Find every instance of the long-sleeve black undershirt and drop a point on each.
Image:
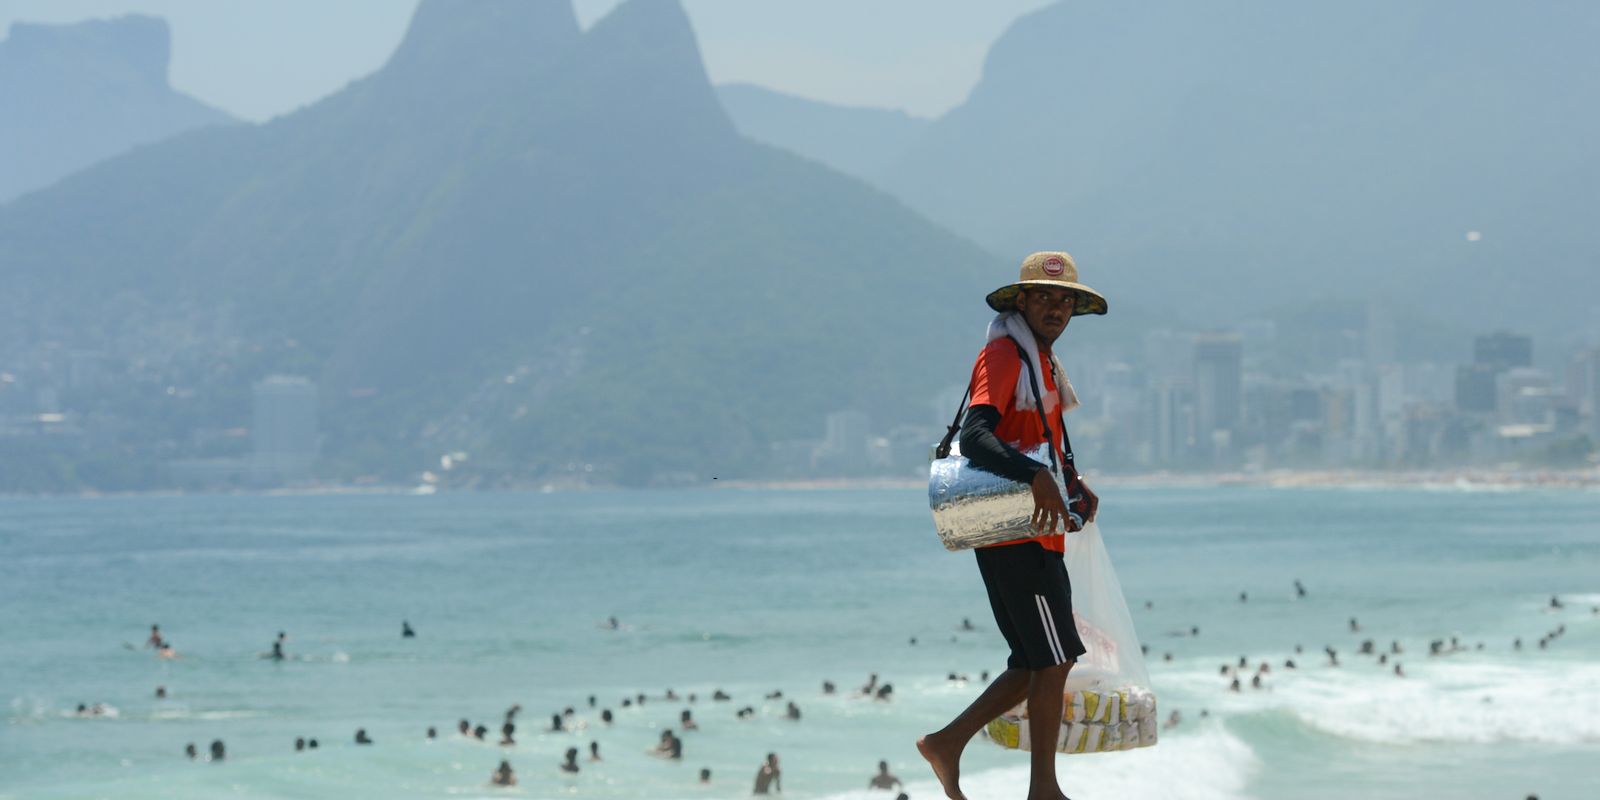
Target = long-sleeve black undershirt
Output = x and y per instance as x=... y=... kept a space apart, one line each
x=985 y=450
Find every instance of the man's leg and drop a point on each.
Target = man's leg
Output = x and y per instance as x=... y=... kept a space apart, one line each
x=1044 y=727
x=943 y=748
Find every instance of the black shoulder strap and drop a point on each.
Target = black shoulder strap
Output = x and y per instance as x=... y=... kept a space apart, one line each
x=943 y=450
x=1039 y=404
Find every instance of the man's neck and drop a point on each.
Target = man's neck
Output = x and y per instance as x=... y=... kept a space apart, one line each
x=1042 y=343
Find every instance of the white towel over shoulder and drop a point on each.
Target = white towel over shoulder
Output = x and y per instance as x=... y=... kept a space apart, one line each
x=1012 y=324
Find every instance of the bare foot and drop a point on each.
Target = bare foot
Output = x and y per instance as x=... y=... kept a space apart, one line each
x=946 y=763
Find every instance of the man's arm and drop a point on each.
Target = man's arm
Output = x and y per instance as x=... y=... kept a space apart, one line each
x=985 y=450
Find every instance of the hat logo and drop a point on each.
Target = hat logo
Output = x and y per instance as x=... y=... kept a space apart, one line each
x=1053 y=266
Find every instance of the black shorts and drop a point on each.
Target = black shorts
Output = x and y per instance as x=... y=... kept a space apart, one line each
x=1032 y=601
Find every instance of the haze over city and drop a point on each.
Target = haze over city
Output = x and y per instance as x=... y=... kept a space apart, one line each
x=599 y=400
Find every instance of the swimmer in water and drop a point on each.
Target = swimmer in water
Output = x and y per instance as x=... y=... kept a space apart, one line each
x=433 y=733
x=570 y=766
x=503 y=776
x=827 y=687
x=405 y=630
x=966 y=624
x=479 y=732
x=793 y=712
x=883 y=780
x=191 y=751
x=299 y=744
x=606 y=716
x=219 y=752
x=612 y=623
x=705 y=775
x=1555 y=602
x=311 y=745
x=883 y=693
x=769 y=778
x=464 y=727
x=277 y=649
x=1172 y=721
x=166 y=651
x=155 y=637
x=1299 y=588
x=361 y=736
x=872 y=684
x=161 y=692
x=556 y=724
x=720 y=695
x=505 y=734
x=777 y=695
x=686 y=721
x=1355 y=627
x=594 y=751
x=1398 y=673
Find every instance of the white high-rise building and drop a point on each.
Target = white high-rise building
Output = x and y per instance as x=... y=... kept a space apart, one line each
x=285 y=431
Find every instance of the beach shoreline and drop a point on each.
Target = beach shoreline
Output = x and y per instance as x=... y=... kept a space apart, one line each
x=1463 y=479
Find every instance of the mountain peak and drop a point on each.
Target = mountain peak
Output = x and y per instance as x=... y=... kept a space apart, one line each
x=140 y=45
x=447 y=35
x=643 y=58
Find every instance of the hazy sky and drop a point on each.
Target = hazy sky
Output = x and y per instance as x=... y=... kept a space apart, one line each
x=260 y=58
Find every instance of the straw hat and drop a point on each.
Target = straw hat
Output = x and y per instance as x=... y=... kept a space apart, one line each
x=1048 y=269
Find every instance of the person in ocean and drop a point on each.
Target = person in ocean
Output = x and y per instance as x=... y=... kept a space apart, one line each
x=191 y=751
x=768 y=778
x=405 y=630
x=506 y=731
x=571 y=764
x=883 y=780
x=503 y=776
x=219 y=751
x=792 y=712
x=594 y=751
x=871 y=685
x=686 y=721
x=155 y=637
x=1018 y=393
x=361 y=736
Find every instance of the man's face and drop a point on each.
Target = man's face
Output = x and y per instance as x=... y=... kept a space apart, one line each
x=1047 y=310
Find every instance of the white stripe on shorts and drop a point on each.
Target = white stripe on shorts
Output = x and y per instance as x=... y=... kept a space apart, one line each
x=1050 y=633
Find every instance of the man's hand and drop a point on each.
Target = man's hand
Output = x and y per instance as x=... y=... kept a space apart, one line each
x=1049 y=510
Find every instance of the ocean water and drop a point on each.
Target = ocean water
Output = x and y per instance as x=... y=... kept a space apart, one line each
x=755 y=591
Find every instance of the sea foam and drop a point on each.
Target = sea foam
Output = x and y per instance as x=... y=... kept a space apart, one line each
x=1447 y=700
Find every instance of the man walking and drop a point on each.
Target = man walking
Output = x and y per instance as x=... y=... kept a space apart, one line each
x=1018 y=395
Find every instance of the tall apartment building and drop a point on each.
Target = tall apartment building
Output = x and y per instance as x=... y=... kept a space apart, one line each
x=284 y=435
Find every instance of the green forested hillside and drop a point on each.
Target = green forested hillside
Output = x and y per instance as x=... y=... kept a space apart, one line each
x=545 y=247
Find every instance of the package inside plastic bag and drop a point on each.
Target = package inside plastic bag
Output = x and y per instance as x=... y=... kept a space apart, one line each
x=1109 y=704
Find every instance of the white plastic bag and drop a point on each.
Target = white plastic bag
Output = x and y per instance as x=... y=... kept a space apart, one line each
x=1109 y=704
